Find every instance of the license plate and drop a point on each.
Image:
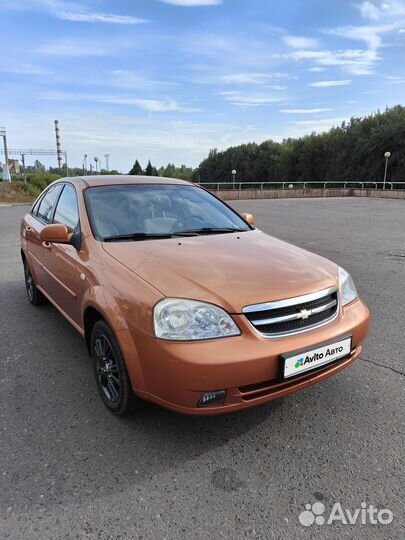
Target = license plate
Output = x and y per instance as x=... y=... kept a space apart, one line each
x=299 y=362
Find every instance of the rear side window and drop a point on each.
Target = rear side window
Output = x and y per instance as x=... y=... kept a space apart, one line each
x=66 y=211
x=47 y=203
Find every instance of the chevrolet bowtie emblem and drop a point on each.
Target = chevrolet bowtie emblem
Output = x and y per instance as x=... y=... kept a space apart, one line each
x=304 y=313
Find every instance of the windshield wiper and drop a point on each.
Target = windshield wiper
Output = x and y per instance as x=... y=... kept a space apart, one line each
x=175 y=234
x=212 y=230
x=146 y=236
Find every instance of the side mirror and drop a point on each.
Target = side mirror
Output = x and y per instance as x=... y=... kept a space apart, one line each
x=56 y=233
x=249 y=218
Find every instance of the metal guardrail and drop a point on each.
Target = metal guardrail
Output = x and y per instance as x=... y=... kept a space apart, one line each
x=302 y=185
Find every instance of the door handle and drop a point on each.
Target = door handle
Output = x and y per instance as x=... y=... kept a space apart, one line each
x=47 y=245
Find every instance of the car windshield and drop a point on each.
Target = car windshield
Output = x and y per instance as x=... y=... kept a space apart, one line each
x=142 y=212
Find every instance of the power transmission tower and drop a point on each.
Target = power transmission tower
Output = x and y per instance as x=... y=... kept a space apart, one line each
x=6 y=173
x=107 y=162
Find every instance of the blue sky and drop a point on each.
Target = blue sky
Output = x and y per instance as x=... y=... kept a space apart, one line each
x=167 y=80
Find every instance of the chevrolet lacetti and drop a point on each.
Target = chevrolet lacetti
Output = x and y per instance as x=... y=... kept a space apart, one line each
x=181 y=300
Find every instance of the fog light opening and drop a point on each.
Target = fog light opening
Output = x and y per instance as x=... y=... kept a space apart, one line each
x=212 y=398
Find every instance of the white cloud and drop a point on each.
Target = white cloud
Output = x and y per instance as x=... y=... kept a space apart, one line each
x=124 y=78
x=246 y=78
x=127 y=138
x=25 y=69
x=375 y=11
x=393 y=79
x=71 y=11
x=250 y=100
x=146 y=104
x=370 y=35
x=304 y=111
x=85 y=16
x=298 y=42
x=149 y=105
x=275 y=86
x=254 y=78
x=326 y=84
x=74 y=47
x=192 y=3
x=317 y=69
x=353 y=61
x=320 y=124
x=369 y=10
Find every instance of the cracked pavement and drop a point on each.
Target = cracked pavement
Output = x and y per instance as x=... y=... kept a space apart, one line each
x=70 y=469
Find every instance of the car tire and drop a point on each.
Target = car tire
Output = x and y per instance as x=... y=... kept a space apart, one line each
x=35 y=297
x=111 y=373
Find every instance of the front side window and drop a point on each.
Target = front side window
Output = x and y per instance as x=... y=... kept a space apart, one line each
x=66 y=211
x=144 y=211
x=34 y=209
x=47 y=203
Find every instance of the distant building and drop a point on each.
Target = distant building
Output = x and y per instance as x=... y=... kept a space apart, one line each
x=14 y=166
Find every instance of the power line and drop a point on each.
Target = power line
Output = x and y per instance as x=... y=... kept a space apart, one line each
x=32 y=152
x=22 y=152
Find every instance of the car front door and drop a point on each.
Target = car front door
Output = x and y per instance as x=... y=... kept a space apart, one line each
x=40 y=216
x=65 y=285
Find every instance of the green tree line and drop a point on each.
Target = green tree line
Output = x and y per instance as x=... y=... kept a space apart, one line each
x=170 y=171
x=352 y=152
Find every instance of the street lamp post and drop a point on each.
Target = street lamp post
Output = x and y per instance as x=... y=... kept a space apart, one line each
x=96 y=162
x=85 y=164
x=233 y=178
x=387 y=155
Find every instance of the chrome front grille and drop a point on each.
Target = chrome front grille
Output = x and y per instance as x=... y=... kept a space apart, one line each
x=293 y=315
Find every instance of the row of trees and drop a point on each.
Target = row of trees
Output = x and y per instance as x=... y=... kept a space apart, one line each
x=150 y=170
x=170 y=171
x=354 y=151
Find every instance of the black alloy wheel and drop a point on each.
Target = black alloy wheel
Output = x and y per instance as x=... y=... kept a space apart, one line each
x=110 y=371
x=35 y=297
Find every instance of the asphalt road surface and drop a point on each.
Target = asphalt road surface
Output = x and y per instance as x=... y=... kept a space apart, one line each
x=70 y=469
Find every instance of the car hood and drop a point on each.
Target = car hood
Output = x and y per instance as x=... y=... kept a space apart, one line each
x=231 y=270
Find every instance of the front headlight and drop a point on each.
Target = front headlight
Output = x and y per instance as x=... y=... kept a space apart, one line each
x=183 y=320
x=347 y=288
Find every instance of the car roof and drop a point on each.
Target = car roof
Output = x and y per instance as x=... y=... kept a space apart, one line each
x=116 y=179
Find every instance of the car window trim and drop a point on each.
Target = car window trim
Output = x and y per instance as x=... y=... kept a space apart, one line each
x=89 y=216
x=251 y=227
x=191 y=185
x=77 y=205
x=37 y=202
x=41 y=220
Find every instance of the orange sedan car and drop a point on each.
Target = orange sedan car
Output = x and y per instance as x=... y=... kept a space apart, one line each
x=181 y=301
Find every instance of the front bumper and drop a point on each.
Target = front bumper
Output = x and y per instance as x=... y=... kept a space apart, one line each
x=177 y=374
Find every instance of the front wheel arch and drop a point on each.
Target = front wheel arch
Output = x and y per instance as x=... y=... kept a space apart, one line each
x=126 y=401
x=90 y=317
x=99 y=304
